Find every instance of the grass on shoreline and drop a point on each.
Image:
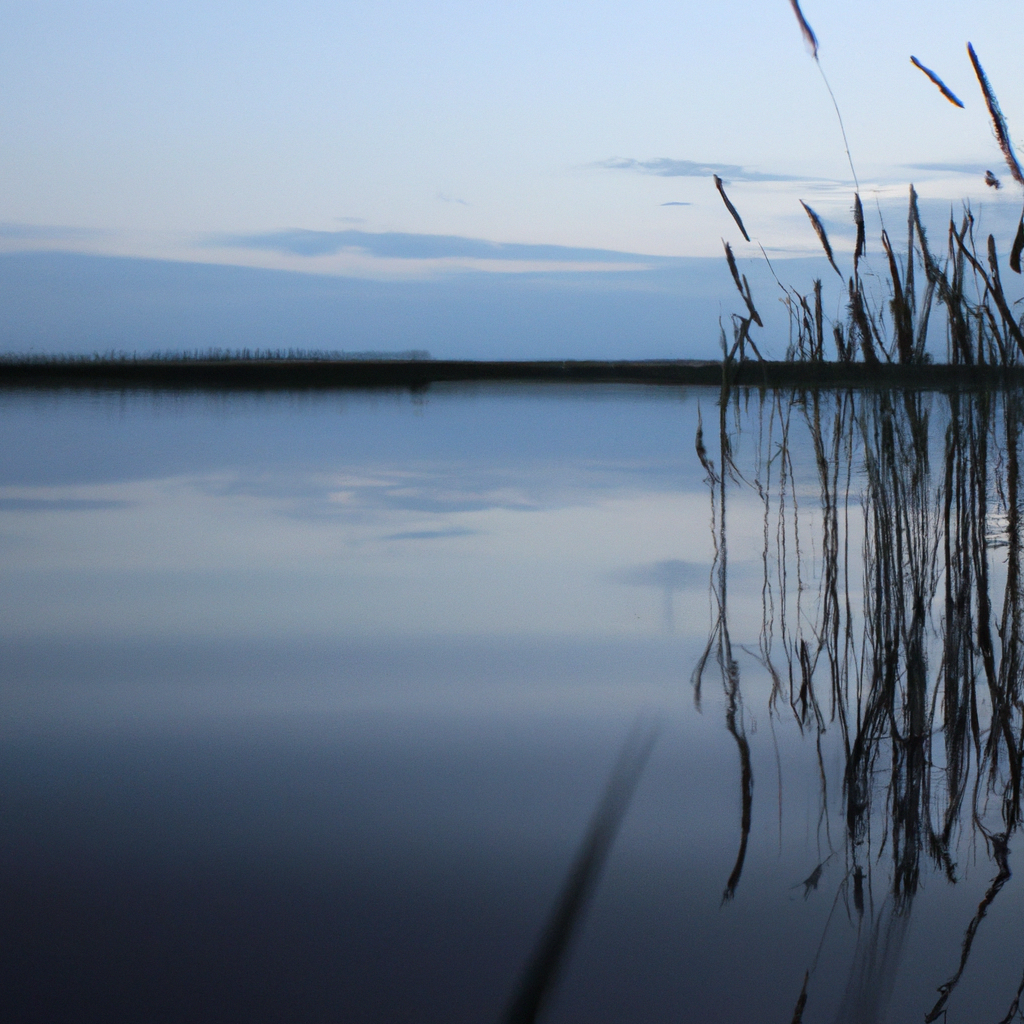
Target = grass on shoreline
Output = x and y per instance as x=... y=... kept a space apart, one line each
x=116 y=357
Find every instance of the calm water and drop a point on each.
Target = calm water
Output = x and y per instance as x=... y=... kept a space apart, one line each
x=308 y=703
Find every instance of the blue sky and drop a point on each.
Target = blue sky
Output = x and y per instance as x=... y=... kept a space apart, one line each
x=528 y=138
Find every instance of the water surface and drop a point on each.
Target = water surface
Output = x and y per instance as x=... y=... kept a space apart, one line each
x=308 y=703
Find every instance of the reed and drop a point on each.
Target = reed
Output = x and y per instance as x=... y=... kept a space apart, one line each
x=547 y=961
x=1002 y=133
x=982 y=330
x=938 y=82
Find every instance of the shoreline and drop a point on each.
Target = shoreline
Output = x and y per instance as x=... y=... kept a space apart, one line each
x=419 y=374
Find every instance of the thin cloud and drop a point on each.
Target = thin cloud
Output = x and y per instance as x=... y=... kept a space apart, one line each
x=400 y=245
x=444 y=198
x=454 y=531
x=60 y=504
x=46 y=232
x=672 y=574
x=664 y=167
x=677 y=204
x=950 y=168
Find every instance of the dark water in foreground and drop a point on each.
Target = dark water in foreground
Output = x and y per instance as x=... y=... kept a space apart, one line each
x=307 y=705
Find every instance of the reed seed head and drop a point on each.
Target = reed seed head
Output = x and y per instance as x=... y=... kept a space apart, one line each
x=819 y=230
x=808 y=33
x=732 y=209
x=998 y=121
x=938 y=81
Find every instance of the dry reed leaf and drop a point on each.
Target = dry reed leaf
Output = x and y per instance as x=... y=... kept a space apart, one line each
x=992 y=181
x=732 y=209
x=731 y=260
x=901 y=313
x=741 y=286
x=938 y=81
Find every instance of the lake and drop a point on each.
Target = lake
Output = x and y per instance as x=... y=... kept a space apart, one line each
x=316 y=706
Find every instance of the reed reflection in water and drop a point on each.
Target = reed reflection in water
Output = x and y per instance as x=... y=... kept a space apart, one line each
x=891 y=627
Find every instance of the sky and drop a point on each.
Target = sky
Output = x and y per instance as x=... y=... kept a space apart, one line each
x=400 y=142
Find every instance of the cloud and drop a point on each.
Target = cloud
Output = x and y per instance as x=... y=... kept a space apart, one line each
x=677 y=204
x=675 y=576
x=60 y=504
x=670 y=309
x=400 y=245
x=451 y=199
x=46 y=232
x=454 y=531
x=952 y=168
x=672 y=574
x=664 y=167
